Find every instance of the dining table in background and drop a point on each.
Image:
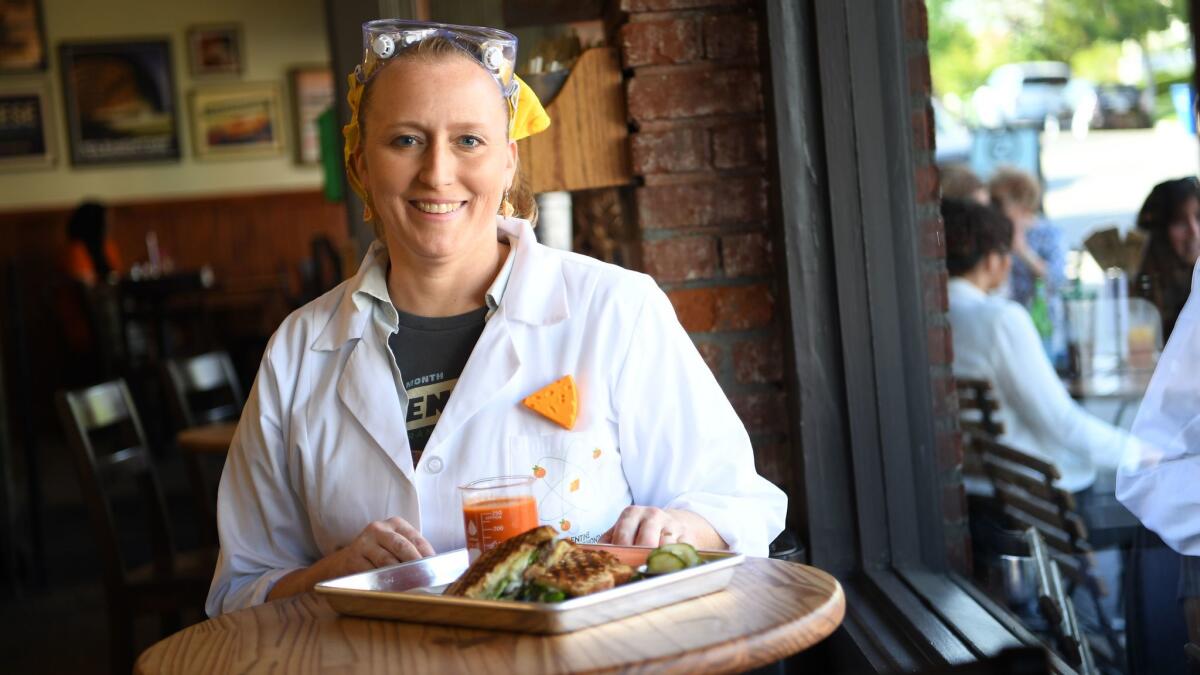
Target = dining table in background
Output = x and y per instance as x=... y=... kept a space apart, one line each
x=207 y=439
x=771 y=610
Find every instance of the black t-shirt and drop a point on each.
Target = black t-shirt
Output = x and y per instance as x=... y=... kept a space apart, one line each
x=431 y=354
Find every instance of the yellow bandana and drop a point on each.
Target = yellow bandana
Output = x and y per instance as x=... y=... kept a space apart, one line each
x=527 y=118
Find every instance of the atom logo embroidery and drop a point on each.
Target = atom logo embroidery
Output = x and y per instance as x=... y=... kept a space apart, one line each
x=564 y=496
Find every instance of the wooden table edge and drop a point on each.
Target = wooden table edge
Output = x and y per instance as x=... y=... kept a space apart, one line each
x=719 y=658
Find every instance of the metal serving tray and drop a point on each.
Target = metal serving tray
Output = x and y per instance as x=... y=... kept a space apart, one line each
x=412 y=592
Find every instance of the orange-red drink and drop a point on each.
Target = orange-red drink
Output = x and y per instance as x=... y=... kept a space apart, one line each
x=495 y=509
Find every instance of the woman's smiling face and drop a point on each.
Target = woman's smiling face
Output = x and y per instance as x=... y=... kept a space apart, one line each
x=435 y=156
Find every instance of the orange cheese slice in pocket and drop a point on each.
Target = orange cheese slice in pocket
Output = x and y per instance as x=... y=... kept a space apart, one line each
x=557 y=402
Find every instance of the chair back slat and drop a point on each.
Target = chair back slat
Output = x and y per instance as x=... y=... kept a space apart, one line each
x=94 y=420
x=1045 y=511
x=978 y=407
x=1041 y=466
x=204 y=389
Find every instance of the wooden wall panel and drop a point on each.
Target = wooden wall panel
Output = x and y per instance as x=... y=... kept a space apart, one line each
x=253 y=243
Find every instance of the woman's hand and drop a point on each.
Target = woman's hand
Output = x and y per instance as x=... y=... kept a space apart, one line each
x=381 y=543
x=652 y=526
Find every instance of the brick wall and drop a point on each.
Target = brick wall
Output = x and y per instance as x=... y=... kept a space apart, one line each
x=695 y=100
x=933 y=274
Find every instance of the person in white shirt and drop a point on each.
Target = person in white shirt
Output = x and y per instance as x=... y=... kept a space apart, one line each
x=995 y=340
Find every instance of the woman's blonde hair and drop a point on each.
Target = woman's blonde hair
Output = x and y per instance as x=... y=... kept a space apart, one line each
x=1013 y=187
x=436 y=48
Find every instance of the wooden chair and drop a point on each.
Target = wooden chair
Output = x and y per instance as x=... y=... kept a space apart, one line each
x=977 y=418
x=1027 y=498
x=105 y=434
x=203 y=390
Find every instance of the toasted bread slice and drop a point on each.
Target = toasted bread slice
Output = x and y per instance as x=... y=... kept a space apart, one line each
x=583 y=572
x=548 y=556
x=497 y=571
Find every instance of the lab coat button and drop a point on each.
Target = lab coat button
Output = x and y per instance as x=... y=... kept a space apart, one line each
x=434 y=465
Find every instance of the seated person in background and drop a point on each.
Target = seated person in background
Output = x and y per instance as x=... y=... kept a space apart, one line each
x=1171 y=216
x=995 y=340
x=89 y=258
x=959 y=182
x=90 y=255
x=1037 y=247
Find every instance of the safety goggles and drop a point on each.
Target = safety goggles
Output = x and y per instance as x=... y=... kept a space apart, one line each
x=495 y=50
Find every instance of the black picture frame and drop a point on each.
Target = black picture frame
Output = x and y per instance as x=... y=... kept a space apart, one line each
x=22 y=37
x=119 y=101
x=26 y=134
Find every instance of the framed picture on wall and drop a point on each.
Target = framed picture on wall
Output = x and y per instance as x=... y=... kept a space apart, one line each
x=215 y=50
x=312 y=94
x=237 y=121
x=26 y=137
x=119 y=101
x=22 y=41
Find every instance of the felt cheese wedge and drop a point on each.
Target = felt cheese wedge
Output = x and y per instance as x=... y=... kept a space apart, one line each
x=557 y=402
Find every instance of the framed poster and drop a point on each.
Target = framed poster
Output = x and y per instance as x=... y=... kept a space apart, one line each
x=119 y=101
x=237 y=121
x=22 y=45
x=26 y=137
x=215 y=50
x=312 y=94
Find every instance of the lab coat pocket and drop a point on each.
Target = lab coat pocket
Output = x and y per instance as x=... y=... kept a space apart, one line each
x=578 y=482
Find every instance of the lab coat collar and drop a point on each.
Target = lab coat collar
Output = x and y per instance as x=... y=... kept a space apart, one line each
x=530 y=287
x=536 y=292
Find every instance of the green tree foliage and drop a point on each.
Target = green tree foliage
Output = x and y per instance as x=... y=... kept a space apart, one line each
x=1027 y=30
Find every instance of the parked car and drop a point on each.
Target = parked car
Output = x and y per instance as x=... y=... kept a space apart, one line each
x=953 y=138
x=1123 y=106
x=1025 y=93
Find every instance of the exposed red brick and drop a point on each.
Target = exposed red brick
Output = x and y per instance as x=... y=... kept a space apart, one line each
x=680 y=259
x=730 y=37
x=713 y=355
x=945 y=396
x=923 y=129
x=738 y=145
x=773 y=461
x=758 y=361
x=647 y=43
x=933 y=238
x=693 y=93
x=672 y=151
x=954 y=502
x=746 y=255
x=743 y=307
x=935 y=285
x=761 y=412
x=732 y=201
x=941 y=346
x=696 y=308
x=949 y=450
x=916 y=21
x=918 y=74
x=665 y=5
x=928 y=184
x=958 y=550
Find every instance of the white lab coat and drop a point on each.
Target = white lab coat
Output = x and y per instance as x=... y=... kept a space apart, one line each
x=1159 y=482
x=321 y=449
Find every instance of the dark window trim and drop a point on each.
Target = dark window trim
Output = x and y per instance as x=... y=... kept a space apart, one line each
x=858 y=359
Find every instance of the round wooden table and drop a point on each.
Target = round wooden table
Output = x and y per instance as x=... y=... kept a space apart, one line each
x=771 y=610
x=208 y=439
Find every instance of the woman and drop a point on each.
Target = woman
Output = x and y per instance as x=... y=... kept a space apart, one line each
x=1171 y=217
x=1158 y=485
x=90 y=255
x=995 y=340
x=376 y=401
x=1038 y=252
